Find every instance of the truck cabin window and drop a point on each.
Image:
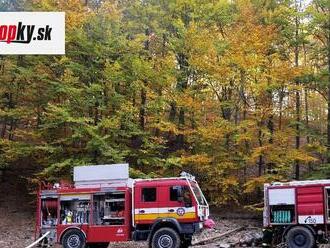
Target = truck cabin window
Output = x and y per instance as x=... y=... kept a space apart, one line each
x=198 y=194
x=149 y=194
x=181 y=194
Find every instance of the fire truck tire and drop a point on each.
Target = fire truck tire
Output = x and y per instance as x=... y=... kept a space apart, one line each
x=73 y=239
x=165 y=238
x=300 y=237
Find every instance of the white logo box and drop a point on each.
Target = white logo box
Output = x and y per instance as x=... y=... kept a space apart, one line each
x=310 y=219
x=32 y=33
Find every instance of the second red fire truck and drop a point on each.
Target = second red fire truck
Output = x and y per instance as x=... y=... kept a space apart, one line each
x=297 y=213
x=104 y=206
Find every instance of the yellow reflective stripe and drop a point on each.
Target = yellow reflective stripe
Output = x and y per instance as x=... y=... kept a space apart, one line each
x=164 y=215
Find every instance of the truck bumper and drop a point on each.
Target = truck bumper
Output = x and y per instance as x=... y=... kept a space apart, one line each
x=191 y=228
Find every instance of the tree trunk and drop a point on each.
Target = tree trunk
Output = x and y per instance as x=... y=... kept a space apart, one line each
x=270 y=122
x=261 y=160
x=12 y=127
x=281 y=96
x=328 y=126
x=297 y=164
x=310 y=167
x=143 y=108
x=306 y=116
x=328 y=117
x=180 y=138
x=182 y=86
x=296 y=59
x=172 y=111
x=4 y=128
x=244 y=116
x=270 y=126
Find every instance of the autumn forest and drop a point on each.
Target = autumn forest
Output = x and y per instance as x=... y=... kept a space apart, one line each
x=236 y=92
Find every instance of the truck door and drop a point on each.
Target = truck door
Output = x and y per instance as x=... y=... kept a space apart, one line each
x=146 y=203
x=178 y=203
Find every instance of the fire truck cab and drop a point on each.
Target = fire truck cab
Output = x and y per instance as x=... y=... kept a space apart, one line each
x=297 y=213
x=104 y=206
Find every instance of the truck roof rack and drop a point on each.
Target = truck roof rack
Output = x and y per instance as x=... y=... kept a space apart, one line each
x=303 y=182
x=183 y=175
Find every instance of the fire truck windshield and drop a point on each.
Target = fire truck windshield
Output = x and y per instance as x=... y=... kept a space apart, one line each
x=198 y=193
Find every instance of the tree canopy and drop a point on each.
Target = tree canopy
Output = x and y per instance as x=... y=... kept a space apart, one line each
x=234 y=92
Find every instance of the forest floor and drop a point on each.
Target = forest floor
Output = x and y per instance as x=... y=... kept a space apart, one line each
x=16 y=210
x=17 y=216
x=247 y=237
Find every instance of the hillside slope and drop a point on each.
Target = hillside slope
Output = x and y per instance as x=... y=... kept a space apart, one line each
x=16 y=209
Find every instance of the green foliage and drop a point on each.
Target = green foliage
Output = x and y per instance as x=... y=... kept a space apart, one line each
x=321 y=172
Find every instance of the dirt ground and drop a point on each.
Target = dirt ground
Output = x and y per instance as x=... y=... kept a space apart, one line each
x=17 y=231
x=17 y=216
x=16 y=212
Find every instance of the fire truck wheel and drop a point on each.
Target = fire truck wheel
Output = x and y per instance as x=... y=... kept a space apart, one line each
x=165 y=238
x=300 y=237
x=73 y=239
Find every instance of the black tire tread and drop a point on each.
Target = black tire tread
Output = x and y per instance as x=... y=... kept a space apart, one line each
x=170 y=231
x=306 y=231
x=70 y=232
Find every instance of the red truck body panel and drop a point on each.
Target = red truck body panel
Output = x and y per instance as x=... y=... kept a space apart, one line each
x=310 y=200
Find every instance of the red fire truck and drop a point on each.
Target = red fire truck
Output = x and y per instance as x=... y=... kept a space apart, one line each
x=104 y=206
x=297 y=213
